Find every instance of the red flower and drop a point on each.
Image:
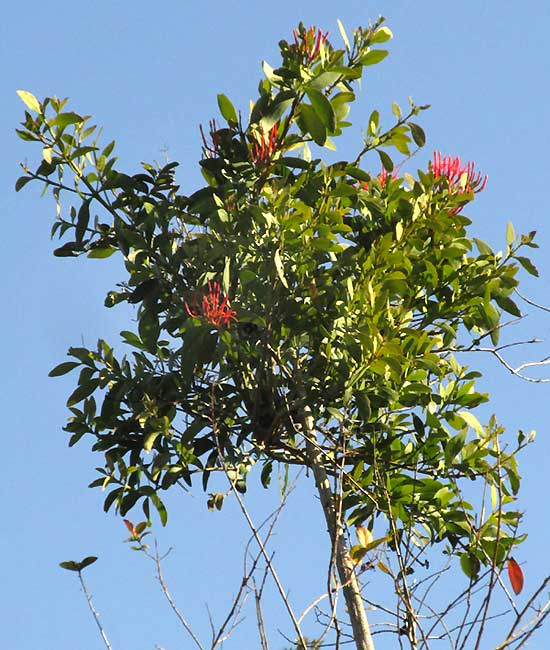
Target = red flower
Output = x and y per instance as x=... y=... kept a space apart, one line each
x=462 y=178
x=383 y=177
x=263 y=151
x=212 y=149
x=212 y=307
x=308 y=42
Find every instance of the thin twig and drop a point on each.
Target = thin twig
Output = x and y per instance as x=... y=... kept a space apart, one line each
x=157 y=559
x=531 y=302
x=94 y=612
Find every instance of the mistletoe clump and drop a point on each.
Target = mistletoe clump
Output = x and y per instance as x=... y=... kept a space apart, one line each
x=352 y=295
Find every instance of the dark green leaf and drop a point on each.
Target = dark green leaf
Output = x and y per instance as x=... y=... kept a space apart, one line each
x=418 y=134
x=386 y=161
x=70 y=249
x=82 y=220
x=87 y=561
x=297 y=163
x=528 y=265
x=21 y=182
x=508 y=305
x=454 y=446
x=63 y=368
x=266 y=474
x=111 y=497
x=83 y=391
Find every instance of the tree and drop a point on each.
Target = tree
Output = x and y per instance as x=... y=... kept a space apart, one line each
x=297 y=313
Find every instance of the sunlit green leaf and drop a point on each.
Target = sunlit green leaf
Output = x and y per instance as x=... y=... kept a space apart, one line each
x=30 y=100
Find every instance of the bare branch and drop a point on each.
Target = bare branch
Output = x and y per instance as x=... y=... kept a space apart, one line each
x=160 y=577
x=94 y=612
x=523 y=634
x=531 y=302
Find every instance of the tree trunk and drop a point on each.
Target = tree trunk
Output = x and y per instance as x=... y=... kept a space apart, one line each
x=348 y=578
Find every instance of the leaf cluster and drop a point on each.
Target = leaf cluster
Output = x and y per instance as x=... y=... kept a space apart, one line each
x=353 y=293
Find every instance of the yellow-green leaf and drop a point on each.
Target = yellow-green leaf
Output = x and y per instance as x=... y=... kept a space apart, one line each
x=30 y=100
x=279 y=267
x=343 y=34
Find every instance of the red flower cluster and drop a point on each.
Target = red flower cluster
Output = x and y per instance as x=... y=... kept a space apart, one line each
x=462 y=178
x=212 y=307
x=213 y=149
x=383 y=177
x=263 y=151
x=308 y=42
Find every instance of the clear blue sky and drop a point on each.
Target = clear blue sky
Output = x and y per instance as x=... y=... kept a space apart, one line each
x=149 y=76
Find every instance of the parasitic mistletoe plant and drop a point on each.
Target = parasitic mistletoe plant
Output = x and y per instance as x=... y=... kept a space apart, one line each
x=295 y=312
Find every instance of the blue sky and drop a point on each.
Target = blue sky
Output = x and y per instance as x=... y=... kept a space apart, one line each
x=150 y=77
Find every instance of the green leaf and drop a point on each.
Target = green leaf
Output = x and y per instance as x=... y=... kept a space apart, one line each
x=418 y=134
x=149 y=440
x=396 y=110
x=358 y=173
x=227 y=110
x=454 y=446
x=343 y=34
x=63 y=368
x=132 y=339
x=82 y=392
x=87 y=561
x=71 y=565
x=265 y=477
x=374 y=121
x=275 y=111
x=82 y=220
x=293 y=162
x=310 y=122
x=381 y=35
x=527 y=265
x=30 y=100
x=70 y=249
x=161 y=509
x=323 y=108
x=373 y=57
x=472 y=421
x=470 y=565
x=64 y=119
x=28 y=137
x=101 y=253
x=510 y=234
x=508 y=305
x=149 y=329
x=418 y=425
x=386 y=161
x=482 y=247
x=279 y=267
x=21 y=182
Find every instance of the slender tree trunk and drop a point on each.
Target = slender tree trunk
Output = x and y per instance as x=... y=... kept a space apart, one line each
x=346 y=573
